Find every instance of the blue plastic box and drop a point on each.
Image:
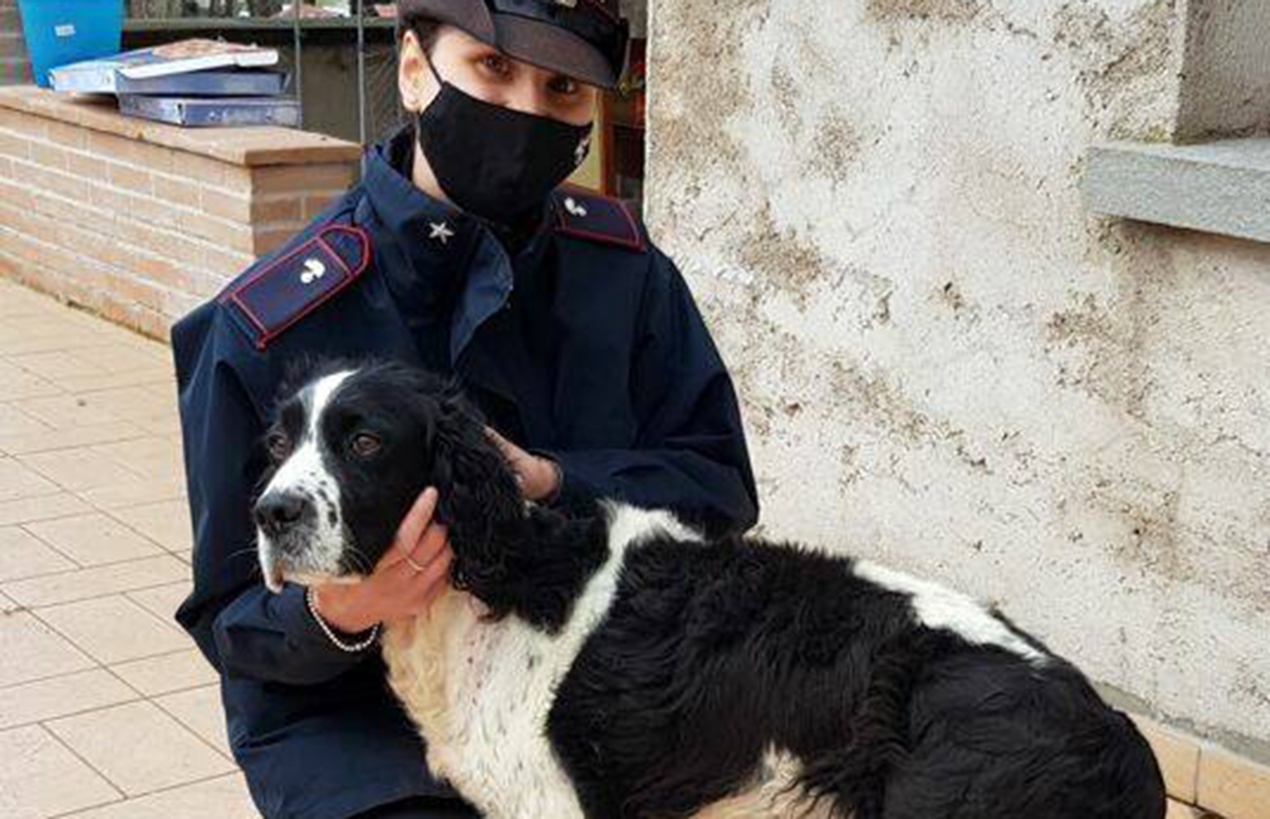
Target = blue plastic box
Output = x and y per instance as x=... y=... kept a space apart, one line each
x=65 y=31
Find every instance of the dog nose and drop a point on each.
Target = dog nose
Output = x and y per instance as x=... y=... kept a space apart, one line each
x=277 y=512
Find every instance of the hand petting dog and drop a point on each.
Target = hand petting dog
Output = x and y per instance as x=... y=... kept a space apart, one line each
x=404 y=583
x=539 y=477
x=413 y=572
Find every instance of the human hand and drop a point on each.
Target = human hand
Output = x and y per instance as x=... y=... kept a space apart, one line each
x=539 y=478
x=410 y=575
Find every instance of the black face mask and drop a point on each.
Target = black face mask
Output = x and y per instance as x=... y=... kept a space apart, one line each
x=494 y=162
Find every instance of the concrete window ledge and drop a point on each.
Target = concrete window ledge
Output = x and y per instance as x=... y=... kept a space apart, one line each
x=140 y=221
x=1217 y=187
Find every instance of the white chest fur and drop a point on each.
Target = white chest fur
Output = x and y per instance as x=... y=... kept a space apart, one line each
x=480 y=692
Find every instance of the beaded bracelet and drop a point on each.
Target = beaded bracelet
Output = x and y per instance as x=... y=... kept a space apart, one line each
x=340 y=644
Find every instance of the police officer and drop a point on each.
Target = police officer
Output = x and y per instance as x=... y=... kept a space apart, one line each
x=457 y=251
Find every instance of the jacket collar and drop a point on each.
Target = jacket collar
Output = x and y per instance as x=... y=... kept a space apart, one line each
x=436 y=239
x=441 y=258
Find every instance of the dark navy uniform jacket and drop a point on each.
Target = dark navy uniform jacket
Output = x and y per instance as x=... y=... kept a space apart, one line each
x=579 y=340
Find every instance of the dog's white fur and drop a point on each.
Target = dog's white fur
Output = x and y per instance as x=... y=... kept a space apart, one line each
x=480 y=692
x=304 y=471
x=940 y=607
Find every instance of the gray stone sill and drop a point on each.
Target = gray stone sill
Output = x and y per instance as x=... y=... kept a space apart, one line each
x=1217 y=187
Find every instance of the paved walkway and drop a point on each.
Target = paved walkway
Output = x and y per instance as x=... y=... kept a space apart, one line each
x=106 y=709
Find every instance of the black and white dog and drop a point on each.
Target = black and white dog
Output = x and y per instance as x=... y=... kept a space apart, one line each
x=625 y=666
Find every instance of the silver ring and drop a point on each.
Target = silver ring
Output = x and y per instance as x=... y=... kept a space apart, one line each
x=414 y=565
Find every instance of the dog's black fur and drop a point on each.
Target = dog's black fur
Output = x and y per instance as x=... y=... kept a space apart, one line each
x=714 y=652
x=432 y=436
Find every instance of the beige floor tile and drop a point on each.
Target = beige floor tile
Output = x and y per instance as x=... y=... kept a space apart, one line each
x=97 y=582
x=72 y=339
x=34 y=651
x=22 y=554
x=18 y=300
x=87 y=319
x=167 y=390
x=1178 y=756
x=149 y=457
x=1234 y=787
x=67 y=411
x=134 y=401
x=120 y=358
x=113 y=629
x=61 y=696
x=111 y=333
x=53 y=319
x=200 y=710
x=50 y=320
x=1180 y=810
x=19 y=481
x=12 y=308
x=166 y=523
x=151 y=376
x=26 y=385
x=133 y=493
x=162 y=601
x=161 y=425
x=43 y=507
x=40 y=324
x=78 y=469
x=54 y=364
x=161 y=753
x=55 y=439
x=224 y=797
x=15 y=422
x=94 y=539
x=40 y=777
x=167 y=673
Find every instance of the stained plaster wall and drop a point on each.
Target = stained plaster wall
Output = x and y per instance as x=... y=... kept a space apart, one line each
x=946 y=362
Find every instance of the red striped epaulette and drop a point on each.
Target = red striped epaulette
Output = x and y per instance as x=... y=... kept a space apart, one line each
x=276 y=293
x=587 y=215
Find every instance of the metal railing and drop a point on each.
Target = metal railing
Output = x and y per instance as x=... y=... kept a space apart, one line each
x=377 y=113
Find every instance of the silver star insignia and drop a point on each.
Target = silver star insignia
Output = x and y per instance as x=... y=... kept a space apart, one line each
x=440 y=230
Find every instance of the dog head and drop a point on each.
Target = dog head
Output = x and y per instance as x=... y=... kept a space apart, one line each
x=351 y=448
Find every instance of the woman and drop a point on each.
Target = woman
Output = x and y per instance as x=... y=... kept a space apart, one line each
x=576 y=337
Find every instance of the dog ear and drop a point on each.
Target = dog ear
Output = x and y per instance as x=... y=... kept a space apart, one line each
x=480 y=502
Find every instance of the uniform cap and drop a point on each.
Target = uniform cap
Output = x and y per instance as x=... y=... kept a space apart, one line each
x=585 y=39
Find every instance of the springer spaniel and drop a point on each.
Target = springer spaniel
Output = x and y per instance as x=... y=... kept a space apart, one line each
x=625 y=666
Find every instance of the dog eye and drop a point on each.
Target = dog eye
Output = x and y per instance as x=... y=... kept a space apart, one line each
x=364 y=444
x=279 y=445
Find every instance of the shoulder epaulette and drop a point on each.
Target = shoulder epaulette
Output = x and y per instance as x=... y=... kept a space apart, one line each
x=278 y=292
x=590 y=216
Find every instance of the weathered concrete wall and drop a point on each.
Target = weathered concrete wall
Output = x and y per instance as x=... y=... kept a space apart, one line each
x=1226 y=69
x=946 y=363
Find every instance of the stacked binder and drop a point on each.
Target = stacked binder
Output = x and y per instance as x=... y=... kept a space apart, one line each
x=193 y=83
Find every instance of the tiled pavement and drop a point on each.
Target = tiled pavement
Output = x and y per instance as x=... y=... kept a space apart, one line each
x=107 y=711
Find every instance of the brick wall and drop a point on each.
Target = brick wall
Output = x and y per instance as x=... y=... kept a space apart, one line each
x=14 y=67
x=142 y=222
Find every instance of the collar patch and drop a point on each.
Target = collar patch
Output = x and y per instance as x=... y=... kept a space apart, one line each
x=276 y=294
x=587 y=215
